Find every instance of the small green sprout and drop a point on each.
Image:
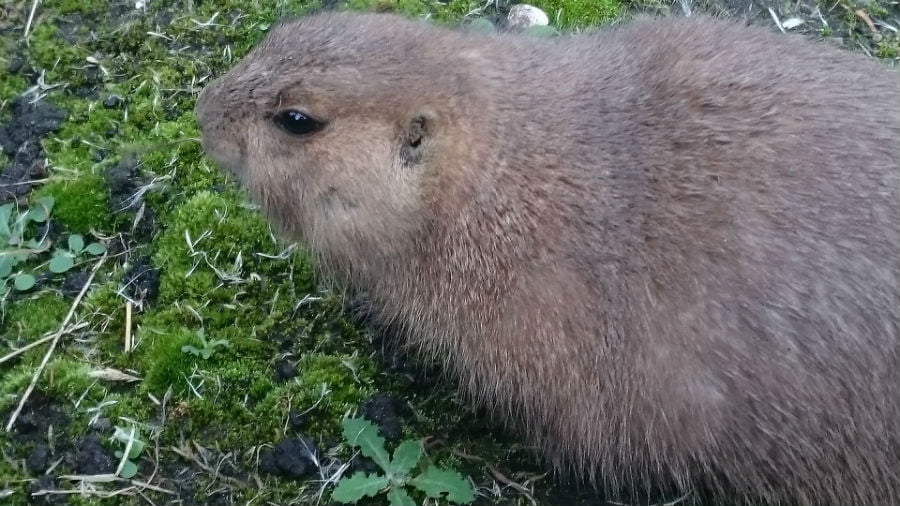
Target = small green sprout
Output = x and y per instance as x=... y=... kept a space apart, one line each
x=434 y=482
x=64 y=259
x=208 y=347
x=15 y=247
x=128 y=469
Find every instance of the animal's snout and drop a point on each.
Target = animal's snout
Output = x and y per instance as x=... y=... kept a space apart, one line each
x=219 y=135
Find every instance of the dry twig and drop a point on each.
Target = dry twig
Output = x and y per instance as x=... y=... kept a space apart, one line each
x=59 y=333
x=34 y=5
x=48 y=337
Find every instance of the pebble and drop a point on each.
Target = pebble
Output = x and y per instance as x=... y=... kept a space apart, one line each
x=525 y=16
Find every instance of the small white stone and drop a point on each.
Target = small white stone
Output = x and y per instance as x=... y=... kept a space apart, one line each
x=792 y=23
x=526 y=16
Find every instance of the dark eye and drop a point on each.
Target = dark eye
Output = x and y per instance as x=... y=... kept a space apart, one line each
x=296 y=122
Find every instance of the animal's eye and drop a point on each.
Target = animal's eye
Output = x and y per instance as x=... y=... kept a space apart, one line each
x=296 y=122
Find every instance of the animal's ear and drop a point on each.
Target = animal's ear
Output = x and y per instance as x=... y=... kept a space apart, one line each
x=418 y=136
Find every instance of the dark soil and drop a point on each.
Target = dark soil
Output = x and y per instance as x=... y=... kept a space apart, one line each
x=123 y=180
x=38 y=416
x=364 y=464
x=20 y=138
x=44 y=482
x=382 y=410
x=297 y=420
x=92 y=458
x=74 y=283
x=38 y=459
x=285 y=370
x=291 y=458
x=142 y=281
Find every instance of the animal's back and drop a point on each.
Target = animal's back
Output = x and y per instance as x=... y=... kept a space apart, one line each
x=731 y=200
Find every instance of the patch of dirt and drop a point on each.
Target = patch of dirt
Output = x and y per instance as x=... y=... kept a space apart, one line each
x=387 y=346
x=74 y=282
x=293 y=458
x=296 y=420
x=284 y=370
x=41 y=418
x=20 y=138
x=142 y=281
x=19 y=65
x=39 y=414
x=123 y=180
x=38 y=459
x=382 y=409
x=93 y=457
x=364 y=464
x=44 y=482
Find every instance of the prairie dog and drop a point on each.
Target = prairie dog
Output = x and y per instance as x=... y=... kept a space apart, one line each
x=669 y=251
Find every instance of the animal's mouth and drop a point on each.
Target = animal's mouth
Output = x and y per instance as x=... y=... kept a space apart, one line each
x=218 y=153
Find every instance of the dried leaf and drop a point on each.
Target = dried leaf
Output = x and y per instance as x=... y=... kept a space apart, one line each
x=111 y=374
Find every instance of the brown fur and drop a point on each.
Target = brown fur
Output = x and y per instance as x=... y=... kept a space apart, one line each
x=670 y=249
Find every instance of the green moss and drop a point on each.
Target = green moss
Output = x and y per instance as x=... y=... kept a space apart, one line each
x=62 y=60
x=580 y=14
x=253 y=407
x=11 y=86
x=82 y=204
x=10 y=474
x=161 y=360
x=450 y=11
x=68 y=379
x=32 y=317
x=888 y=49
x=349 y=380
x=205 y=234
x=12 y=383
x=133 y=405
x=250 y=412
x=83 y=133
x=104 y=308
x=92 y=7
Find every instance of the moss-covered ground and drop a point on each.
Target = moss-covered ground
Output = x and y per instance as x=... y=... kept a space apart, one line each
x=188 y=263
